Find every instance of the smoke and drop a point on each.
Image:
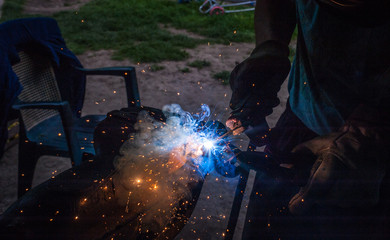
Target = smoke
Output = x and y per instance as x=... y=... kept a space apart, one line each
x=160 y=161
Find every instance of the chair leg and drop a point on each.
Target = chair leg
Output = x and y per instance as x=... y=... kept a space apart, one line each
x=26 y=166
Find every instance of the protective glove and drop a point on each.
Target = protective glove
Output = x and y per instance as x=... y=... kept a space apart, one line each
x=246 y=118
x=255 y=83
x=348 y=168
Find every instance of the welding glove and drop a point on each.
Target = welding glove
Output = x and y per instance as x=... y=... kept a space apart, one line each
x=255 y=83
x=348 y=168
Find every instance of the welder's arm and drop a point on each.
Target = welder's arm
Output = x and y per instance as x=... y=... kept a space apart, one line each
x=349 y=165
x=274 y=20
x=256 y=81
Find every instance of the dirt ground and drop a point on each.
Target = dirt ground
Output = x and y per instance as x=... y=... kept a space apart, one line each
x=157 y=89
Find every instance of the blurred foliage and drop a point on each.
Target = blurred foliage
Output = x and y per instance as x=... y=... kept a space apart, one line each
x=139 y=30
x=12 y=9
x=155 y=68
x=199 y=64
x=185 y=70
x=222 y=76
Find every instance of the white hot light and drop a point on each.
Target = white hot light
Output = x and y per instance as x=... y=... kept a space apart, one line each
x=208 y=144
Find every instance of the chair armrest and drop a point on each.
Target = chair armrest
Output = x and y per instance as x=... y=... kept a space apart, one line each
x=63 y=108
x=128 y=73
x=40 y=105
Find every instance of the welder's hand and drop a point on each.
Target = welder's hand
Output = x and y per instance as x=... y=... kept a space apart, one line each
x=244 y=119
x=348 y=168
x=236 y=124
x=255 y=83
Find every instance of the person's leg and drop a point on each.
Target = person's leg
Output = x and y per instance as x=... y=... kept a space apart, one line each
x=288 y=133
x=267 y=215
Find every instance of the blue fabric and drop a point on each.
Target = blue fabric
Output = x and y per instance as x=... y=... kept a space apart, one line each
x=338 y=65
x=42 y=34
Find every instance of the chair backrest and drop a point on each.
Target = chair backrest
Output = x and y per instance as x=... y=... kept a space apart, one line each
x=36 y=75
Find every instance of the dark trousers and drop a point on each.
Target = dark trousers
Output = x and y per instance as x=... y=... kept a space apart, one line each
x=288 y=133
x=267 y=210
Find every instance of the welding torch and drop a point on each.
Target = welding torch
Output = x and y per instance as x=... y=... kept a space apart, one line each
x=228 y=133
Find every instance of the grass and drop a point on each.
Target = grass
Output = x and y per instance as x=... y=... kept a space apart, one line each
x=185 y=70
x=132 y=27
x=222 y=76
x=199 y=64
x=155 y=68
x=12 y=9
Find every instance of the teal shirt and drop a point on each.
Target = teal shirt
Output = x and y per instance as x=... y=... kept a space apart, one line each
x=337 y=66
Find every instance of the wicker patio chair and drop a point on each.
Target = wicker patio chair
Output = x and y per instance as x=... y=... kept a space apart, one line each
x=47 y=125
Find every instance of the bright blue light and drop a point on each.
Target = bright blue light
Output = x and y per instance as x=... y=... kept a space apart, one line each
x=208 y=144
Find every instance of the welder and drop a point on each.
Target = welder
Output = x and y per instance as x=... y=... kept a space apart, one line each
x=335 y=130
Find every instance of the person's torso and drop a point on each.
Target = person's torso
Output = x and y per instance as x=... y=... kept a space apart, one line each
x=338 y=65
